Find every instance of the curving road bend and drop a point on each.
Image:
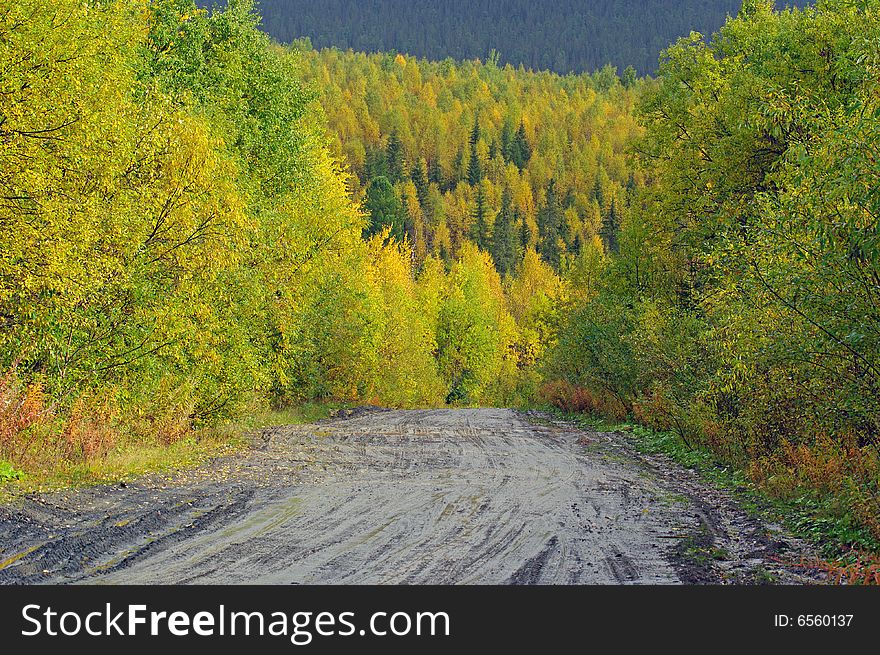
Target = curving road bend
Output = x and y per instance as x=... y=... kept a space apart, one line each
x=464 y=496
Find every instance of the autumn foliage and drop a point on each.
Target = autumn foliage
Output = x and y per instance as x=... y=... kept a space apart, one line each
x=741 y=308
x=195 y=221
x=179 y=244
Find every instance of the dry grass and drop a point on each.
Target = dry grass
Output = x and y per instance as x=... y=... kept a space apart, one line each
x=836 y=468
x=23 y=411
x=860 y=569
x=571 y=398
x=842 y=474
x=92 y=441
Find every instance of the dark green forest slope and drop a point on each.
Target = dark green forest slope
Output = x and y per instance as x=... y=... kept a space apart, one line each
x=563 y=36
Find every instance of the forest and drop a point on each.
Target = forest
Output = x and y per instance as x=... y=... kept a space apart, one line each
x=198 y=222
x=510 y=161
x=576 y=36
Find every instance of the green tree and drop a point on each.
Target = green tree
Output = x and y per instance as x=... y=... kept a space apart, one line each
x=520 y=150
x=525 y=232
x=504 y=238
x=419 y=177
x=475 y=167
x=550 y=218
x=480 y=224
x=384 y=209
x=610 y=228
x=394 y=158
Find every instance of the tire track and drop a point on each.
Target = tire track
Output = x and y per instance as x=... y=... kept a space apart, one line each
x=422 y=496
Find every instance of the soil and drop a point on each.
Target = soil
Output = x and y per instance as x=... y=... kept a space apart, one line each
x=453 y=496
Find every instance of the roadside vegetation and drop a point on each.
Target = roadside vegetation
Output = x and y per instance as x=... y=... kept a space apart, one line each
x=848 y=551
x=741 y=309
x=180 y=250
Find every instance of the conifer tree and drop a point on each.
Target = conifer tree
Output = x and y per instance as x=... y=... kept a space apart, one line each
x=610 y=228
x=504 y=244
x=475 y=168
x=435 y=172
x=384 y=209
x=525 y=232
x=419 y=177
x=374 y=163
x=549 y=222
x=394 y=158
x=630 y=189
x=480 y=226
x=520 y=150
x=476 y=134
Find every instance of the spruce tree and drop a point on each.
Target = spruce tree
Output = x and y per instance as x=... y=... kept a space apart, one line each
x=520 y=150
x=480 y=226
x=525 y=232
x=549 y=222
x=610 y=228
x=435 y=173
x=394 y=158
x=375 y=164
x=384 y=209
x=503 y=249
x=630 y=189
x=419 y=177
x=475 y=132
x=475 y=168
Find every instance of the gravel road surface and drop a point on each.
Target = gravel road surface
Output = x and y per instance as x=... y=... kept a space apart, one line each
x=458 y=496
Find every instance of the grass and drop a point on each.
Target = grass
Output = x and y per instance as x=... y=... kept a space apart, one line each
x=809 y=516
x=304 y=413
x=124 y=462
x=9 y=472
x=133 y=458
x=700 y=551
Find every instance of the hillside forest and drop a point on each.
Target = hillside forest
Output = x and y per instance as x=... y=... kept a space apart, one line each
x=198 y=223
x=574 y=36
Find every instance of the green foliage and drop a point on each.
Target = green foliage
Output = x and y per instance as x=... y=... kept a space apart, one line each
x=179 y=245
x=383 y=207
x=408 y=375
x=759 y=144
x=480 y=227
x=9 y=472
x=504 y=248
x=738 y=308
x=474 y=330
x=519 y=152
x=593 y=350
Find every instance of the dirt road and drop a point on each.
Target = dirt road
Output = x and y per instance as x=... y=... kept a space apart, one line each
x=440 y=496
